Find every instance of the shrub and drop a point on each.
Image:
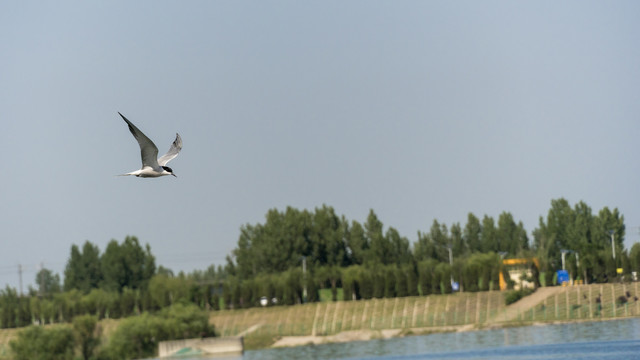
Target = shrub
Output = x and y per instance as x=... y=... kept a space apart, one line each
x=87 y=334
x=138 y=337
x=37 y=343
x=514 y=295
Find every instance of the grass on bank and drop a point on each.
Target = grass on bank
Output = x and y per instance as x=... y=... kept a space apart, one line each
x=432 y=313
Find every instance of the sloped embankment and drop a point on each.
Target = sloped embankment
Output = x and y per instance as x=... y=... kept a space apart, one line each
x=381 y=318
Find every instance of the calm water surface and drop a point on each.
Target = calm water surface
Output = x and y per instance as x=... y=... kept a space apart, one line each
x=618 y=339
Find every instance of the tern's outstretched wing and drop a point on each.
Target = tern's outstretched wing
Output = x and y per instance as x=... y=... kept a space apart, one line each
x=175 y=148
x=148 y=149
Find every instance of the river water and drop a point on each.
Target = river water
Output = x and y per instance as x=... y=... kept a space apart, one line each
x=616 y=339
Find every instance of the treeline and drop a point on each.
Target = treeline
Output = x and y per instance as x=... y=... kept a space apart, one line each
x=120 y=282
x=325 y=239
x=295 y=253
x=594 y=244
x=477 y=272
x=368 y=261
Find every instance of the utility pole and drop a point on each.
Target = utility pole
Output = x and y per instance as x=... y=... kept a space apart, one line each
x=41 y=279
x=563 y=252
x=451 y=263
x=20 y=277
x=304 y=277
x=613 y=248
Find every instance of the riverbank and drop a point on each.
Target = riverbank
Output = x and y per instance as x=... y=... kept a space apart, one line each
x=364 y=335
x=344 y=321
x=613 y=338
x=348 y=321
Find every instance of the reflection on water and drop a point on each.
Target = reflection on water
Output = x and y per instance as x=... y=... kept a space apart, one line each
x=619 y=339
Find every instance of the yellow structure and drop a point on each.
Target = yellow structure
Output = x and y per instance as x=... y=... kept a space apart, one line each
x=516 y=274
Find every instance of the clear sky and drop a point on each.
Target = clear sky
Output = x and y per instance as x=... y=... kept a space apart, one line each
x=419 y=110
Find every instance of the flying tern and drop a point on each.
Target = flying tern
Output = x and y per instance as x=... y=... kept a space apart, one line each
x=152 y=165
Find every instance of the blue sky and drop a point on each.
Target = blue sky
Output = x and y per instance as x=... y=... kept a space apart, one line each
x=418 y=110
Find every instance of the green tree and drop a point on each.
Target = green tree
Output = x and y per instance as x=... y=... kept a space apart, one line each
x=555 y=232
x=357 y=244
x=38 y=343
x=511 y=237
x=634 y=257
x=327 y=238
x=138 y=337
x=96 y=303
x=426 y=277
x=274 y=247
x=390 y=278
x=350 y=283
x=48 y=282
x=86 y=334
x=379 y=246
x=126 y=265
x=608 y=222
x=489 y=239
x=83 y=271
x=399 y=251
x=458 y=245
x=9 y=304
x=400 y=283
x=424 y=248
x=165 y=291
x=578 y=230
x=473 y=233
x=439 y=235
x=329 y=276
x=365 y=283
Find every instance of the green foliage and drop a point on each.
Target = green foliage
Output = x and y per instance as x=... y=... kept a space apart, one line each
x=350 y=288
x=357 y=243
x=138 y=337
x=187 y=321
x=389 y=274
x=512 y=296
x=86 y=334
x=325 y=239
x=121 y=265
x=167 y=291
x=579 y=230
x=401 y=286
x=10 y=306
x=365 y=260
x=426 y=277
x=411 y=273
x=126 y=265
x=442 y=278
x=38 y=343
x=634 y=257
x=83 y=268
x=329 y=276
x=48 y=282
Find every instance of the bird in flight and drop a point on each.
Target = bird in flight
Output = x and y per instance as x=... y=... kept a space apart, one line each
x=152 y=165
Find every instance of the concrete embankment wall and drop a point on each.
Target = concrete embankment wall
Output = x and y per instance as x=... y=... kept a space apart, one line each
x=474 y=309
x=209 y=346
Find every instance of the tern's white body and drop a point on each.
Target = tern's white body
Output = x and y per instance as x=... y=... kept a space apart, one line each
x=148 y=171
x=152 y=166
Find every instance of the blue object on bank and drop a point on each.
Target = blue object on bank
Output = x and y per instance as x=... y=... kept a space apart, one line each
x=563 y=276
